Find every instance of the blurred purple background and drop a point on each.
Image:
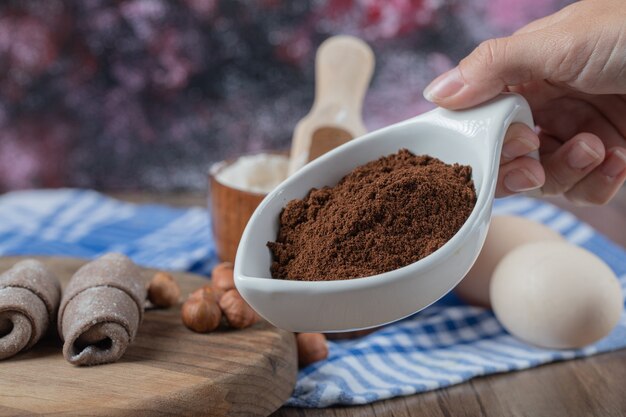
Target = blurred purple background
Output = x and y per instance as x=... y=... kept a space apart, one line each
x=145 y=94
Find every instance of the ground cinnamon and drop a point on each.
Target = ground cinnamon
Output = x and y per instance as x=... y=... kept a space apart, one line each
x=382 y=216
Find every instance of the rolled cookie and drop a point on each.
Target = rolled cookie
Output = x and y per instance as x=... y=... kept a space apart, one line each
x=29 y=299
x=101 y=310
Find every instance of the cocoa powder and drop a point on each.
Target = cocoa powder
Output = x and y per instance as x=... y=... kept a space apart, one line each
x=382 y=216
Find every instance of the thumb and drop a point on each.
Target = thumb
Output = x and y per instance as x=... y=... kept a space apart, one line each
x=494 y=65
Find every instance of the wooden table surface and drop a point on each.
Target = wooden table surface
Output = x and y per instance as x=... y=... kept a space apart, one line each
x=593 y=386
x=168 y=370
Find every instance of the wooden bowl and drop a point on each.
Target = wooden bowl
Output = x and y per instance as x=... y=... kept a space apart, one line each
x=230 y=209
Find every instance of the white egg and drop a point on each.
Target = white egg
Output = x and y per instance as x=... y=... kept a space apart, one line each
x=505 y=234
x=556 y=295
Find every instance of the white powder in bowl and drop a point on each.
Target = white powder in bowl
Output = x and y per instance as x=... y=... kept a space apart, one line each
x=259 y=173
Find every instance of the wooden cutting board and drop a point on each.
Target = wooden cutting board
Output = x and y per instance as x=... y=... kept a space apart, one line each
x=168 y=370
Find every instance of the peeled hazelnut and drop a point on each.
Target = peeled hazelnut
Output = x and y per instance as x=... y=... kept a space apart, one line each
x=204 y=291
x=238 y=313
x=222 y=278
x=312 y=348
x=163 y=290
x=350 y=335
x=200 y=312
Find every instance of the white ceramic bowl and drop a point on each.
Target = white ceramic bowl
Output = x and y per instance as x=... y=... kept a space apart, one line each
x=472 y=137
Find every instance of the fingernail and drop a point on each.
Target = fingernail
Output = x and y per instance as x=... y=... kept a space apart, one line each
x=444 y=86
x=520 y=180
x=615 y=164
x=515 y=147
x=581 y=156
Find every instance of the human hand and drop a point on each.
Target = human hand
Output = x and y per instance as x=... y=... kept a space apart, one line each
x=571 y=68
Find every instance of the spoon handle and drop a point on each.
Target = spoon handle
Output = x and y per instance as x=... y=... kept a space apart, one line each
x=343 y=69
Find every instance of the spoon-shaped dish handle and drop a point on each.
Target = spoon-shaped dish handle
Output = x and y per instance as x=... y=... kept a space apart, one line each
x=495 y=116
x=486 y=125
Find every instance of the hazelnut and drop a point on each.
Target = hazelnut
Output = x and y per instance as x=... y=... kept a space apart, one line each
x=204 y=291
x=351 y=335
x=200 y=312
x=222 y=278
x=238 y=313
x=312 y=348
x=163 y=290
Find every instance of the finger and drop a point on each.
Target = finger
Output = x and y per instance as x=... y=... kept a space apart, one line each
x=565 y=118
x=535 y=25
x=546 y=21
x=519 y=140
x=549 y=144
x=539 y=24
x=520 y=175
x=495 y=64
x=572 y=162
x=540 y=93
x=603 y=182
x=613 y=108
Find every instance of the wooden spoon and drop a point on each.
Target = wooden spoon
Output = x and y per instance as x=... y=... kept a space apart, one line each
x=343 y=69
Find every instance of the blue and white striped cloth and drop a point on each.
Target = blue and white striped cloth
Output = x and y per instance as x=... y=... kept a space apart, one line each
x=448 y=342
x=87 y=224
x=445 y=344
